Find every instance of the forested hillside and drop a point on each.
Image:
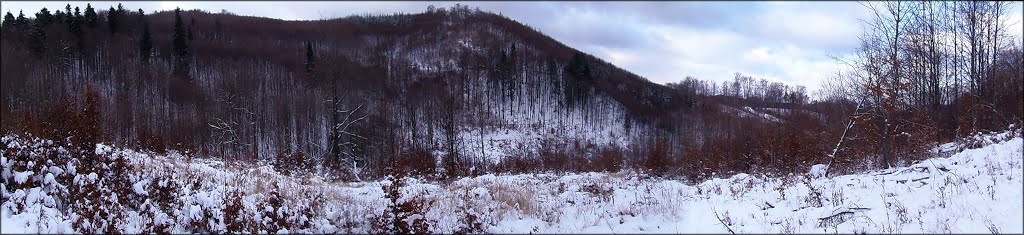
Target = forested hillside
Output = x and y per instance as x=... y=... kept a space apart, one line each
x=455 y=91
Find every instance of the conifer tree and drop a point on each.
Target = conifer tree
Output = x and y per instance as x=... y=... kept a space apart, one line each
x=310 y=62
x=552 y=73
x=44 y=17
x=58 y=17
x=8 y=20
x=37 y=39
x=75 y=27
x=577 y=86
x=90 y=15
x=112 y=16
x=191 y=24
x=335 y=135
x=21 y=20
x=145 y=43
x=180 y=46
x=67 y=14
x=513 y=73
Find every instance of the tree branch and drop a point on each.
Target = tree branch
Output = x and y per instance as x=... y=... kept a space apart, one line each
x=722 y=221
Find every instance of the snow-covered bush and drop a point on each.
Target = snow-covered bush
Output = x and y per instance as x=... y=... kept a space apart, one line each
x=35 y=173
x=123 y=191
x=404 y=213
x=46 y=191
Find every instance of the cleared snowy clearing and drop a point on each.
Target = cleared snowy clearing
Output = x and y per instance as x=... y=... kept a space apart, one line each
x=972 y=191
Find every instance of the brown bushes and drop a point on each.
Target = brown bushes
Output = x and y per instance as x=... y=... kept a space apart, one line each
x=554 y=156
x=87 y=129
x=56 y=120
x=152 y=141
x=517 y=165
x=62 y=122
x=416 y=162
x=658 y=160
x=693 y=164
x=609 y=158
x=294 y=162
x=870 y=147
x=233 y=209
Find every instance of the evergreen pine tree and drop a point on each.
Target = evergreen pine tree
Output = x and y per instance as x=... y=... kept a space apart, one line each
x=75 y=27
x=145 y=43
x=577 y=87
x=44 y=17
x=90 y=15
x=21 y=20
x=512 y=73
x=553 y=79
x=180 y=46
x=191 y=24
x=8 y=20
x=58 y=17
x=112 y=16
x=335 y=133
x=503 y=73
x=67 y=14
x=37 y=39
x=310 y=62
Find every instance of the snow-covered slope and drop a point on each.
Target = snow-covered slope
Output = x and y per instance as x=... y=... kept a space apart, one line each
x=975 y=190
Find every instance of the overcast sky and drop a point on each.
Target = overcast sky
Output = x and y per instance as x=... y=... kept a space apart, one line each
x=662 y=41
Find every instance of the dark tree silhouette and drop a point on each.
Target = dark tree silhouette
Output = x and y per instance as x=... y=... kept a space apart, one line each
x=112 y=17
x=8 y=20
x=67 y=13
x=60 y=17
x=21 y=20
x=75 y=27
x=180 y=47
x=44 y=18
x=577 y=87
x=145 y=41
x=310 y=64
x=36 y=39
x=90 y=15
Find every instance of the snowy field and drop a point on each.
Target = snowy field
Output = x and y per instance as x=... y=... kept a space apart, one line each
x=975 y=190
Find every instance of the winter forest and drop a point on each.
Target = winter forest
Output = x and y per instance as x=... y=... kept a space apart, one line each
x=460 y=120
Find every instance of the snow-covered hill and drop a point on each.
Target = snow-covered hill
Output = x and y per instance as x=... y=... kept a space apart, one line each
x=975 y=190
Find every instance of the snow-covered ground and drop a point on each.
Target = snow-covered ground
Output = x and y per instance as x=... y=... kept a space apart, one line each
x=975 y=190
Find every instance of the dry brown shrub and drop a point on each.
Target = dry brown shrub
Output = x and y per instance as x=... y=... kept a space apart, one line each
x=416 y=162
